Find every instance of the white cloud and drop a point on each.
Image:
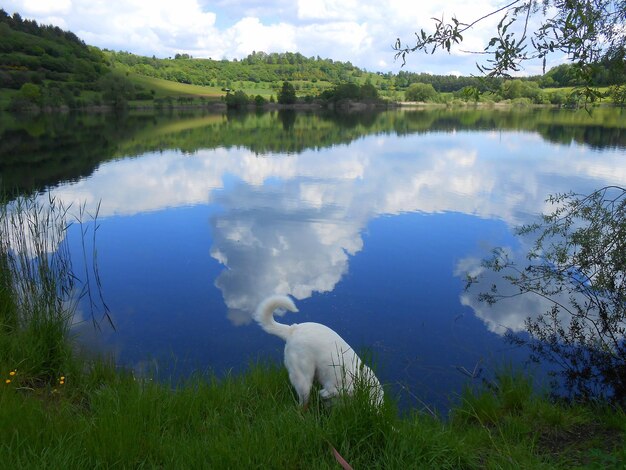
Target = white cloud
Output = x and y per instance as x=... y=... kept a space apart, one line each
x=250 y=34
x=266 y=253
x=155 y=27
x=46 y=7
x=327 y=10
x=511 y=311
x=360 y=32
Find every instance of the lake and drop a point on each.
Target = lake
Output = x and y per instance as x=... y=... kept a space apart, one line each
x=369 y=220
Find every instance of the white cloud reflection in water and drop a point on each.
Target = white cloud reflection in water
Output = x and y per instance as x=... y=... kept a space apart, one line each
x=289 y=223
x=507 y=314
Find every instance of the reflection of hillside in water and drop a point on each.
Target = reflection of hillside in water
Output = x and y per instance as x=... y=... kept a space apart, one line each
x=43 y=151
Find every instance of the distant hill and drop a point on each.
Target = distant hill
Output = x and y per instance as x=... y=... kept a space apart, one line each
x=258 y=68
x=263 y=74
x=267 y=71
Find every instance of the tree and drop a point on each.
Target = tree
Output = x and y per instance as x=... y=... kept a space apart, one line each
x=287 y=94
x=588 y=32
x=577 y=265
x=346 y=91
x=116 y=90
x=239 y=99
x=368 y=92
x=350 y=91
x=420 y=92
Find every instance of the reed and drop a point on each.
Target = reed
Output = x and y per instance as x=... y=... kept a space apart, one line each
x=37 y=288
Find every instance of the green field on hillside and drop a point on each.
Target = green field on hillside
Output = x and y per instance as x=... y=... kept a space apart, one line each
x=167 y=88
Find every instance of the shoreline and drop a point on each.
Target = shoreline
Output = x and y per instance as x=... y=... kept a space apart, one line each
x=213 y=105
x=342 y=106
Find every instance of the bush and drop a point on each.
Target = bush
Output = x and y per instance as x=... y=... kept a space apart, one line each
x=350 y=91
x=347 y=91
x=420 y=92
x=31 y=92
x=368 y=92
x=237 y=100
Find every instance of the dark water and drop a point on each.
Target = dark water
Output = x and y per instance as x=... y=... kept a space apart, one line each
x=369 y=220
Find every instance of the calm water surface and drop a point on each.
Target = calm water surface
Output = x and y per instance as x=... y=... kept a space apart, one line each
x=368 y=221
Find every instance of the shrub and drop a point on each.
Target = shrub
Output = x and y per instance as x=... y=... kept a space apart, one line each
x=237 y=99
x=420 y=92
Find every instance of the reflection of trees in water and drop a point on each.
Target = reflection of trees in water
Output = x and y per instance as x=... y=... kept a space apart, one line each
x=352 y=120
x=597 y=137
x=602 y=129
x=288 y=118
x=44 y=150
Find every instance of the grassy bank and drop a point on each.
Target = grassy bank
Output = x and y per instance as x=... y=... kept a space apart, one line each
x=61 y=410
x=107 y=418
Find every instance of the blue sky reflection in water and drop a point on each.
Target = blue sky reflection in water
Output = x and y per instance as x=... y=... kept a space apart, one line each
x=371 y=238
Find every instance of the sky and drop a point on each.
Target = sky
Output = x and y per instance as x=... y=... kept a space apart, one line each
x=359 y=31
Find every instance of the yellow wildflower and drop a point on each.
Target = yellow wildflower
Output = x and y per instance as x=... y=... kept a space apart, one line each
x=8 y=381
x=13 y=372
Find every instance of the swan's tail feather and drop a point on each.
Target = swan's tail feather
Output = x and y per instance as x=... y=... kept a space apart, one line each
x=264 y=315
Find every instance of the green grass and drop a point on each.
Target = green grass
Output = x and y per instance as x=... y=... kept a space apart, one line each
x=167 y=88
x=172 y=89
x=570 y=89
x=107 y=418
x=59 y=410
